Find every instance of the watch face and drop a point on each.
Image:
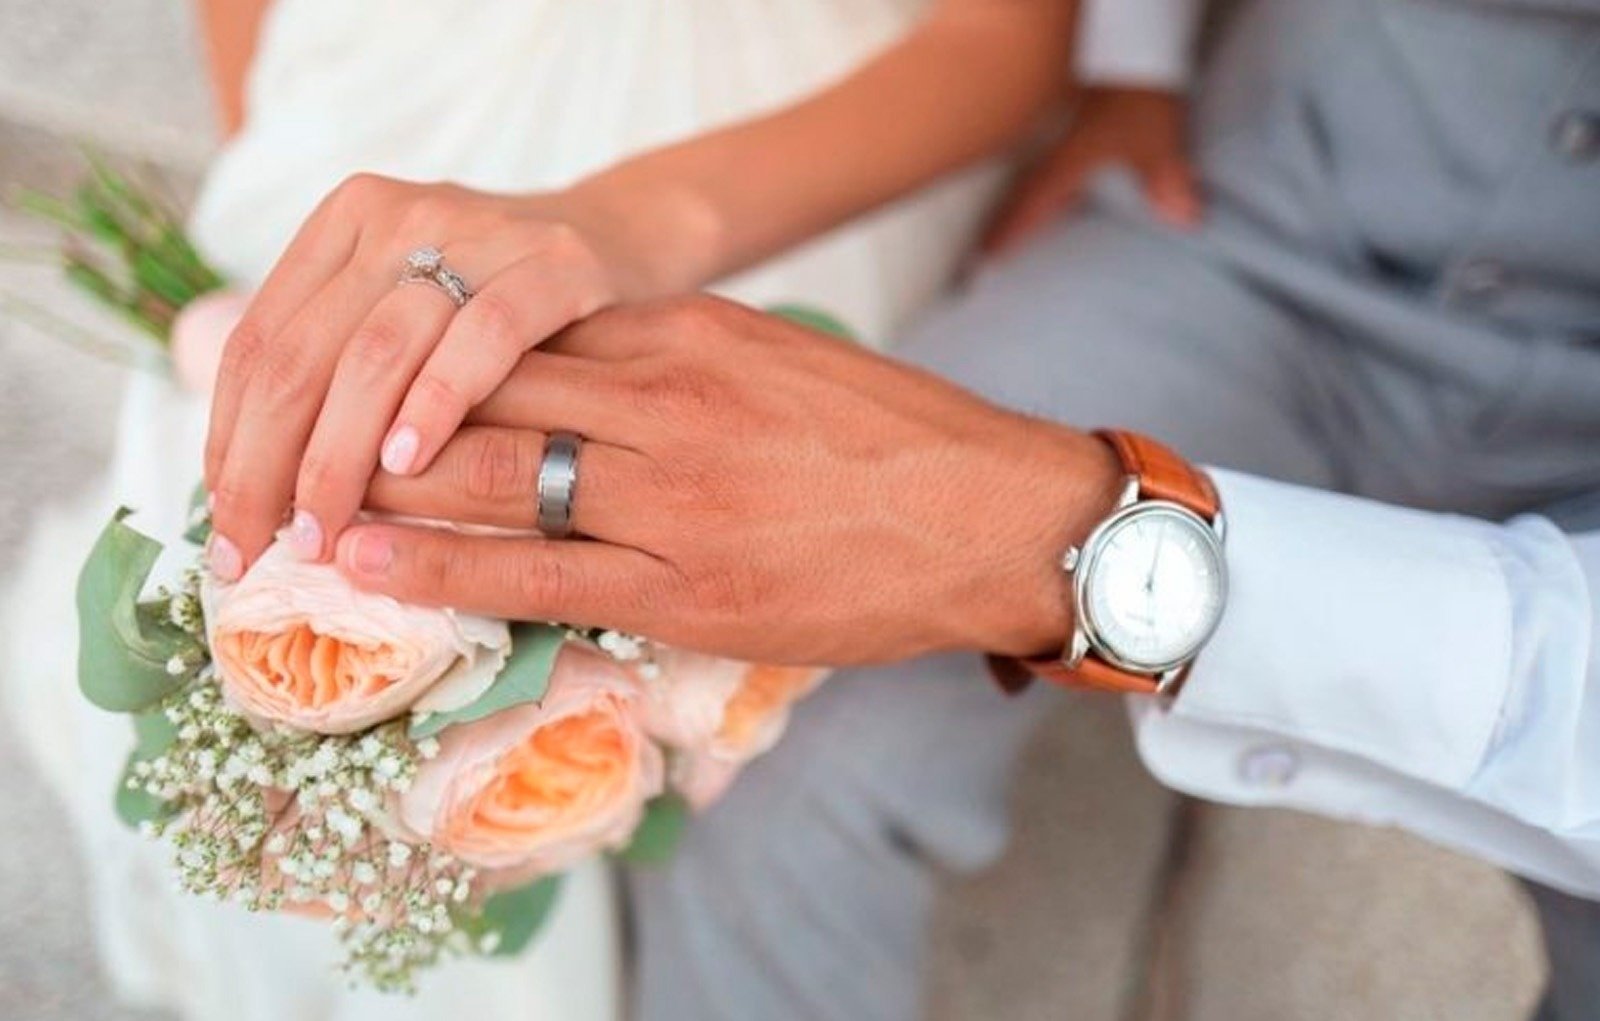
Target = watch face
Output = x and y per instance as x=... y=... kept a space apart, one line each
x=1152 y=586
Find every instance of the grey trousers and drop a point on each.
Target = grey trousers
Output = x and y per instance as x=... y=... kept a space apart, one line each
x=806 y=893
x=1397 y=293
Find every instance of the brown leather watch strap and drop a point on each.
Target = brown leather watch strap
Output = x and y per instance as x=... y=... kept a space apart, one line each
x=1162 y=475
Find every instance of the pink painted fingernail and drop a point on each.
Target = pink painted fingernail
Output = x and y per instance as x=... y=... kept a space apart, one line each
x=223 y=555
x=371 y=554
x=400 y=450
x=304 y=536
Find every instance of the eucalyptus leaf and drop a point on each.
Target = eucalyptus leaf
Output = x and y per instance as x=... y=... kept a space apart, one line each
x=507 y=922
x=199 y=530
x=524 y=678
x=153 y=735
x=654 y=842
x=123 y=651
x=813 y=318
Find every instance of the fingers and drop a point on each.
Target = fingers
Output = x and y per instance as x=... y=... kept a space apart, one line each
x=580 y=583
x=372 y=373
x=320 y=250
x=1042 y=196
x=522 y=306
x=1171 y=189
x=551 y=392
x=489 y=476
x=251 y=495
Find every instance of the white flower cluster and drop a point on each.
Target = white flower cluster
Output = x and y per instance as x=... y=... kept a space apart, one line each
x=622 y=647
x=274 y=819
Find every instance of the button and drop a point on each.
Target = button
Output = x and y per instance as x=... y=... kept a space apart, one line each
x=1480 y=278
x=1269 y=766
x=1575 y=135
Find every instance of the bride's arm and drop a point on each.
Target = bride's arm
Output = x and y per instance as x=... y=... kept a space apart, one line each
x=230 y=28
x=966 y=82
x=334 y=369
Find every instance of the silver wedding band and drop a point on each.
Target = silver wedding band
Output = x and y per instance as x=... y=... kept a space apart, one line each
x=426 y=266
x=558 y=484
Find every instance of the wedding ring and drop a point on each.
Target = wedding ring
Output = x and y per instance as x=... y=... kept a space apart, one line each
x=426 y=266
x=558 y=484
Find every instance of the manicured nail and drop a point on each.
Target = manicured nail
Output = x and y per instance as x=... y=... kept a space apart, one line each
x=304 y=536
x=223 y=555
x=400 y=450
x=370 y=554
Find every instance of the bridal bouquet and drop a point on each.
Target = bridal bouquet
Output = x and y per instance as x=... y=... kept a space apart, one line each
x=417 y=777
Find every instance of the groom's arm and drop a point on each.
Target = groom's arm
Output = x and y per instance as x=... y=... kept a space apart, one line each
x=1429 y=671
x=965 y=83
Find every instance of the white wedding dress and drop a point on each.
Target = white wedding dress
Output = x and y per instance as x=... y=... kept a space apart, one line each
x=507 y=95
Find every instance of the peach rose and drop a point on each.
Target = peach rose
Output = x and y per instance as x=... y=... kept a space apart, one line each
x=719 y=714
x=296 y=644
x=539 y=786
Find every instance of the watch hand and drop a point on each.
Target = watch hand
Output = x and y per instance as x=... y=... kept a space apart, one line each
x=1155 y=561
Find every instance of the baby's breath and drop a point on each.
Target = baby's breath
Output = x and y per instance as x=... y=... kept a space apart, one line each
x=272 y=818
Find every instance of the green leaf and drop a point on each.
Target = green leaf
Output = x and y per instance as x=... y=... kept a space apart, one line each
x=654 y=842
x=524 y=678
x=199 y=530
x=511 y=919
x=153 y=734
x=813 y=318
x=123 y=650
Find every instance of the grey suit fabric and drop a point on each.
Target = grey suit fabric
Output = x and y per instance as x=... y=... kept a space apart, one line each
x=1396 y=293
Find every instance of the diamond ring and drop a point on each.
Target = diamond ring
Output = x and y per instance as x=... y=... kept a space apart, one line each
x=426 y=266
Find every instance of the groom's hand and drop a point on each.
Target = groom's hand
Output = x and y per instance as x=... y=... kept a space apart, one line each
x=752 y=488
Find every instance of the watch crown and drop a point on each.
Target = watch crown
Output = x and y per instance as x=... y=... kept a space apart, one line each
x=1069 y=559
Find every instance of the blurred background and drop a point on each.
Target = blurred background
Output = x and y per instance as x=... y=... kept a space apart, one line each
x=1118 y=900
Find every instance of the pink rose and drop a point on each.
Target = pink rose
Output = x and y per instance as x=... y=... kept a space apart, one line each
x=539 y=786
x=199 y=333
x=296 y=644
x=718 y=714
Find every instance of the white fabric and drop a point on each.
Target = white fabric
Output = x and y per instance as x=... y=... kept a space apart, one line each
x=1138 y=42
x=513 y=95
x=1403 y=668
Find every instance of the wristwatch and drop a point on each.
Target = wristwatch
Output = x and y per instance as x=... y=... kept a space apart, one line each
x=1148 y=584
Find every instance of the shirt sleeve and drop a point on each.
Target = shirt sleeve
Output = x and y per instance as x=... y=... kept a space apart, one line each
x=1400 y=667
x=1138 y=42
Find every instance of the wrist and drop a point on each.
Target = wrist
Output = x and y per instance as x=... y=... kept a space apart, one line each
x=660 y=237
x=1059 y=486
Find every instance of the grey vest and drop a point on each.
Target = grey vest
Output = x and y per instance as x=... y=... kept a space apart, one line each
x=1420 y=180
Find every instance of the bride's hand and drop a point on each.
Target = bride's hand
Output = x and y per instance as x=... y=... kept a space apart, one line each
x=334 y=365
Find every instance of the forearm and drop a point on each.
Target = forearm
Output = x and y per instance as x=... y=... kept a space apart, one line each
x=1426 y=670
x=962 y=85
x=230 y=28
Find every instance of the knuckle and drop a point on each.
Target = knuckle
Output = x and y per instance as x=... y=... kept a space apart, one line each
x=428 y=211
x=543 y=583
x=283 y=370
x=678 y=389
x=371 y=351
x=233 y=498
x=243 y=348
x=319 y=475
x=494 y=321
x=497 y=465
x=441 y=393
x=358 y=191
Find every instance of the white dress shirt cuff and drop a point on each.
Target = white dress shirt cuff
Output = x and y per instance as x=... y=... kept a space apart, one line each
x=1138 y=42
x=1365 y=629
